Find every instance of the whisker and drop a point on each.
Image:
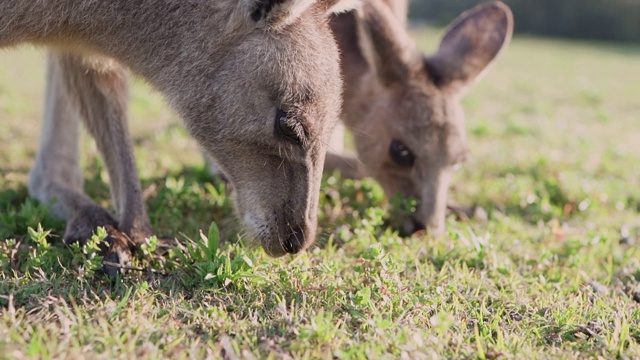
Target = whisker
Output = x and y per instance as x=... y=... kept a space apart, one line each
x=322 y=239
x=360 y=132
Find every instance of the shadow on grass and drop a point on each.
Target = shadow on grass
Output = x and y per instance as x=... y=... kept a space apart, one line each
x=18 y=213
x=184 y=201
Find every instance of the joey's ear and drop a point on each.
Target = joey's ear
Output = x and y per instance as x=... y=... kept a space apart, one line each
x=470 y=44
x=276 y=12
x=385 y=42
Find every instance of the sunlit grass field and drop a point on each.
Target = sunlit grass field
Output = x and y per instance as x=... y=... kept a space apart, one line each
x=551 y=270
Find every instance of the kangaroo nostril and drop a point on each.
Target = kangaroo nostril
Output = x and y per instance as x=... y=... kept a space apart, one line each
x=295 y=242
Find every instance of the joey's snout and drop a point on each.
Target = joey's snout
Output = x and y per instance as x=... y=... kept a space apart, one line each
x=431 y=208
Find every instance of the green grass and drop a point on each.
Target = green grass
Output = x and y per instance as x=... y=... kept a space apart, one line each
x=553 y=271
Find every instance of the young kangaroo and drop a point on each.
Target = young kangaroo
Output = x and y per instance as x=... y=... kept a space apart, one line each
x=256 y=82
x=403 y=108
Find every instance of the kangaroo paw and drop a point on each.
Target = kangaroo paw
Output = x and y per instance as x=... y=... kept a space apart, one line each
x=116 y=253
x=83 y=225
x=115 y=249
x=137 y=235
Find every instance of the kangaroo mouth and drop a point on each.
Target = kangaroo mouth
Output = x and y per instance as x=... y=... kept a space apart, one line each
x=278 y=238
x=277 y=245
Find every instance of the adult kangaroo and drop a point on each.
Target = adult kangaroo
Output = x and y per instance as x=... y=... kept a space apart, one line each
x=404 y=108
x=253 y=80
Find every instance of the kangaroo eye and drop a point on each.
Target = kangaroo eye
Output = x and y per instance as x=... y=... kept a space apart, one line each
x=401 y=154
x=286 y=126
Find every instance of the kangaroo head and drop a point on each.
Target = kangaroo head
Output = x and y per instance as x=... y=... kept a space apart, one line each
x=274 y=97
x=411 y=132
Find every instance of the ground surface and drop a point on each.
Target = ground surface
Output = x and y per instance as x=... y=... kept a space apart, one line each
x=553 y=271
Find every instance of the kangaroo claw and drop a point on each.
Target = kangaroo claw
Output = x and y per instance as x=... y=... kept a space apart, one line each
x=116 y=253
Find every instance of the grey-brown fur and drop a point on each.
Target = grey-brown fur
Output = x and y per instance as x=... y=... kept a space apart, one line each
x=224 y=72
x=393 y=92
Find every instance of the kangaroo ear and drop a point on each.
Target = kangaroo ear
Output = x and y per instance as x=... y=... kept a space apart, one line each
x=470 y=44
x=276 y=12
x=400 y=9
x=385 y=43
x=339 y=6
x=273 y=13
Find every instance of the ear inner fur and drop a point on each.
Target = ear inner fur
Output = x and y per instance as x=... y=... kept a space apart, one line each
x=339 y=6
x=470 y=44
x=261 y=8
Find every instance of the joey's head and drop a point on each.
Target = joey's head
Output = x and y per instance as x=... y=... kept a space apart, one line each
x=271 y=103
x=410 y=132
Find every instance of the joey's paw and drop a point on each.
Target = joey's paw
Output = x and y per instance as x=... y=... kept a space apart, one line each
x=116 y=252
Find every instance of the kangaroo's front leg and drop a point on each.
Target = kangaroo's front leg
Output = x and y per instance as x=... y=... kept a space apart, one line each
x=102 y=90
x=94 y=91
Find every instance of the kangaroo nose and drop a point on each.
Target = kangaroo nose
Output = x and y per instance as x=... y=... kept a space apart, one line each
x=295 y=242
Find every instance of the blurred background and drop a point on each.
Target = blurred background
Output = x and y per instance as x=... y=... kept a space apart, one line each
x=614 y=20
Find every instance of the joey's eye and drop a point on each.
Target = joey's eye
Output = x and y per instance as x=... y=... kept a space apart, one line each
x=286 y=126
x=401 y=154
